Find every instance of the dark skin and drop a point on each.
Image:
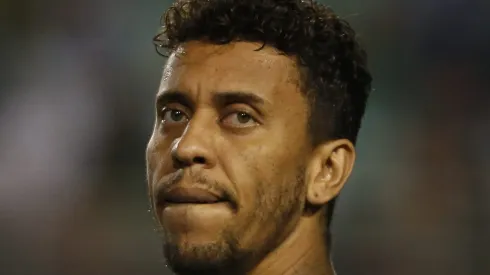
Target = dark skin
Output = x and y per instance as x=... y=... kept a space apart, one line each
x=233 y=121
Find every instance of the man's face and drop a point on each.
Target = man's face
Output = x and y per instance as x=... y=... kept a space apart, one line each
x=226 y=160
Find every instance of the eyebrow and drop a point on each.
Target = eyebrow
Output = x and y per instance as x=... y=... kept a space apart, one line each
x=167 y=97
x=218 y=98
x=231 y=97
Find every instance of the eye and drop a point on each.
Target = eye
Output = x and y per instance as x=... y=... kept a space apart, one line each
x=239 y=120
x=173 y=116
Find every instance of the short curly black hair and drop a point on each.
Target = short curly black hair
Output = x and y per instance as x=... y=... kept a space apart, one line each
x=333 y=65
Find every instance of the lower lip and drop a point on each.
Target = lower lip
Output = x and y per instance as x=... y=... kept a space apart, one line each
x=179 y=210
x=172 y=204
x=182 y=206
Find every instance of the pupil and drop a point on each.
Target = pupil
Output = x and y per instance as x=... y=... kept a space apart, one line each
x=176 y=115
x=243 y=118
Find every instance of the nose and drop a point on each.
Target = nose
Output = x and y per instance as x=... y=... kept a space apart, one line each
x=194 y=147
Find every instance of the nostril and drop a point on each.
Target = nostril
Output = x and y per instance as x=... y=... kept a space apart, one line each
x=178 y=164
x=199 y=160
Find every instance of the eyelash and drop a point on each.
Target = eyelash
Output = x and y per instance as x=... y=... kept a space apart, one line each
x=165 y=110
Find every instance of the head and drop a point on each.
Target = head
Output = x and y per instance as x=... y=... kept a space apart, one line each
x=259 y=105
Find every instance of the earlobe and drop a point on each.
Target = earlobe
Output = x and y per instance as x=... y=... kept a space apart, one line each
x=328 y=169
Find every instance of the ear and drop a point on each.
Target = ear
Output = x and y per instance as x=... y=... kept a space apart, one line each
x=328 y=169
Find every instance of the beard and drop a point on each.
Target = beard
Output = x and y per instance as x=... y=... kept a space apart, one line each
x=216 y=257
x=242 y=245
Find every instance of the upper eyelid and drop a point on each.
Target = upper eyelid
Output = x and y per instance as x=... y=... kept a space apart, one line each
x=166 y=107
x=240 y=107
x=228 y=110
x=220 y=100
x=252 y=116
x=232 y=110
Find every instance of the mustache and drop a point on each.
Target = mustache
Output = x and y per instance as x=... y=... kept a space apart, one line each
x=193 y=179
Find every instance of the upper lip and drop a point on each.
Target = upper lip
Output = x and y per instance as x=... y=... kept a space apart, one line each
x=189 y=195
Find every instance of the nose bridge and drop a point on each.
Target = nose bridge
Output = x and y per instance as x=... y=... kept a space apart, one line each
x=194 y=133
x=195 y=145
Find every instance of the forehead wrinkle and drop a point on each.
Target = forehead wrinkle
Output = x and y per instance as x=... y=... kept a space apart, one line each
x=170 y=68
x=244 y=51
x=267 y=71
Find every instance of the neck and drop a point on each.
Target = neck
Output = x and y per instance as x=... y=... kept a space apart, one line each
x=303 y=252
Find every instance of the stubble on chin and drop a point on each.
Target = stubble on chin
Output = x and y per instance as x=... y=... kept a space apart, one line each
x=217 y=257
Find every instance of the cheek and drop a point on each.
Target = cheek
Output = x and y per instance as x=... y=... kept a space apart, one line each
x=158 y=158
x=244 y=168
x=260 y=169
x=266 y=180
x=271 y=211
x=150 y=158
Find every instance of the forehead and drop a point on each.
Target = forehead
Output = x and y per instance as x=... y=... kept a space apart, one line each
x=197 y=67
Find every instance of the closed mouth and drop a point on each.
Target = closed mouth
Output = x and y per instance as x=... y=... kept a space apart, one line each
x=189 y=196
x=190 y=201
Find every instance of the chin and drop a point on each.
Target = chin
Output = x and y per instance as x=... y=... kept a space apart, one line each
x=187 y=257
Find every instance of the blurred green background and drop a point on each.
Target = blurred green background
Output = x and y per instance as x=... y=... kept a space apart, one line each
x=77 y=84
